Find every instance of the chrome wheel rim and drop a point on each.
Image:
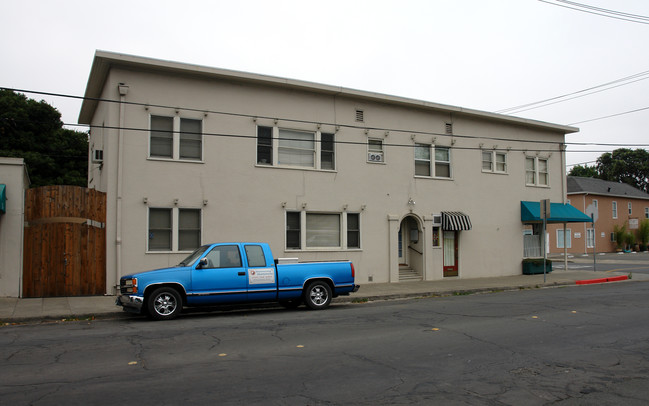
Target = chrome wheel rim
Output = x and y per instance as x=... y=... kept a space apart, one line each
x=318 y=295
x=165 y=304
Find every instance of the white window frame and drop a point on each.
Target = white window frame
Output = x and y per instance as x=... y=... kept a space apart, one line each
x=343 y=231
x=646 y=212
x=614 y=209
x=375 y=151
x=630 y=206
x=317 y=150
x=175 y=229
x=560 y=242
x=493 y=161
x=536 y=171
x=590 y=238
x=177 y=136
x=432 y=161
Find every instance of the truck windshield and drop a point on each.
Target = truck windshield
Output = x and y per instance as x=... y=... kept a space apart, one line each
x=194 y=256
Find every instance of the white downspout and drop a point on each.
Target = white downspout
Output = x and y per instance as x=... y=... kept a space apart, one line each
x=123 y=91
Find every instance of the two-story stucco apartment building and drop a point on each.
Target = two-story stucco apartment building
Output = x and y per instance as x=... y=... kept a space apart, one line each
x=404 y=188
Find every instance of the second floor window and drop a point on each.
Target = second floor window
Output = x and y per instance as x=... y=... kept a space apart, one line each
x=432 y=161
x=176 y=138
x=493 y=161
x=614 y=209
x=536 y=171
x=296 y=148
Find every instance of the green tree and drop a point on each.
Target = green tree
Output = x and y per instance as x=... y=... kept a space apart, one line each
x=630 y=166
x=34 y=131
x=583 y=171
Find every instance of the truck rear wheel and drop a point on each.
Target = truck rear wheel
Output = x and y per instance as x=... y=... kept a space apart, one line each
x=164 y=304
x=317 y=295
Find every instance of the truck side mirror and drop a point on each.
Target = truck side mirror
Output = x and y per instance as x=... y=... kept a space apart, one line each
x=202 y=263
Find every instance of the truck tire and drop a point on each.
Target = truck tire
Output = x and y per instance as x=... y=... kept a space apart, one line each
x=164 y=304
x=317 y=295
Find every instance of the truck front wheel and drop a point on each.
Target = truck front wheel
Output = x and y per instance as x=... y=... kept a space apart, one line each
x=164 y=304
x=317 y=295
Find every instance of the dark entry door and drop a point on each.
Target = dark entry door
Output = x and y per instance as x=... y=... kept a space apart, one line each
x=450 y=253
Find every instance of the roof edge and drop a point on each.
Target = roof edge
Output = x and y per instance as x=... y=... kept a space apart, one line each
x=104 y=60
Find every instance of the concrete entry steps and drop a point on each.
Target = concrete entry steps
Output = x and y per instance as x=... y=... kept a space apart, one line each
x=407 y=274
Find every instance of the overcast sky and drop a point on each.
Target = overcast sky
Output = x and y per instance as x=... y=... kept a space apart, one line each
x=482 y=54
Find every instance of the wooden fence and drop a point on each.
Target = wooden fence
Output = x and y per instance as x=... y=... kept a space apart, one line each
x=64 y=242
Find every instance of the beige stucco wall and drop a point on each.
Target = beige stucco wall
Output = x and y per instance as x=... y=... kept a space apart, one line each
x=14 y=175
x=246 y=201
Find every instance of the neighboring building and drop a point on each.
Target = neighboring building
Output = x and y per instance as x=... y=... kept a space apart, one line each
x=13 y=182
x=404 y=188
x=614 y=204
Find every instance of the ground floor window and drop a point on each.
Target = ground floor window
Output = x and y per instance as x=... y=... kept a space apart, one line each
x=560 y=234
x=312 y=230
x=590 y=238
x=174 y=229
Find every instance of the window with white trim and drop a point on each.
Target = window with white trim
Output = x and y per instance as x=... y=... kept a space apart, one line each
x=176 y=138
x=494 y=162
x=536 y=171
x=646 y=212
x=590 y=238
x=432 y=161
x=614 y=209
x=316 y=230
x=174 y=229
x=375 y=150
x=560 y=235
x=630 y=205
x=296 y=148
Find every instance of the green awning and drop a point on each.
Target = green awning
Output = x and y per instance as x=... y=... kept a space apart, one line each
x=559 y=213
x=3 y=198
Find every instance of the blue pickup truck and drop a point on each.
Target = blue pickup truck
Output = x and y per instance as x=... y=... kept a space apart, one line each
x=227 y=273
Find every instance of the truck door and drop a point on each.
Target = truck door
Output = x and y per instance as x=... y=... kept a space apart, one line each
x=262 y=284
x=222 y=280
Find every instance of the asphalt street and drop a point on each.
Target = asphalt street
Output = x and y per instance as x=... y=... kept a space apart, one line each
x=560 y=346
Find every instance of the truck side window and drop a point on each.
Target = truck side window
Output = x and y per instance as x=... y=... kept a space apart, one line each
x=255 y=256
x=225 y=256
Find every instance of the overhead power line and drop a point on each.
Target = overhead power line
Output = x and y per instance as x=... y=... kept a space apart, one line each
x=458 y=136
x=627 y=80
x=604 y=12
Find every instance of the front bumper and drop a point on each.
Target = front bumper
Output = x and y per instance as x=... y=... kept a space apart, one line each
x=130 y=303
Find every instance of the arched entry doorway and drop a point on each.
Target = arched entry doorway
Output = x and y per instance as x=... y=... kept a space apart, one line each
x=411 y=249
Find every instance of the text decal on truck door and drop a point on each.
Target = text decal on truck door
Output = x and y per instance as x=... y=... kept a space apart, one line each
x=261 y=276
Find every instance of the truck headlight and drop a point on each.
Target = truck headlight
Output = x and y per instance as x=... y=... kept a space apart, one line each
x=130 y=286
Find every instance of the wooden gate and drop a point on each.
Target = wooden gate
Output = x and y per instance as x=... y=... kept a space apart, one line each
x=64 y=242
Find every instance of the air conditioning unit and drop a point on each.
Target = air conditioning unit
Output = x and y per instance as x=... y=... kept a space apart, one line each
x=98 y=155
x=375 y=157
x=437 y=220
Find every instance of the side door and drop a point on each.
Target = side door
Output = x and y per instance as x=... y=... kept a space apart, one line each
x=222 y=279
x=262 y=282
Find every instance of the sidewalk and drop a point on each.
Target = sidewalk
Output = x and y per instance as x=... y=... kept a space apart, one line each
x=15 y=310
